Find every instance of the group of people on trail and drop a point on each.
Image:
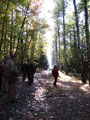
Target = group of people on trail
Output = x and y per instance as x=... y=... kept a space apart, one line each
x=29 y=71
x=9 y=73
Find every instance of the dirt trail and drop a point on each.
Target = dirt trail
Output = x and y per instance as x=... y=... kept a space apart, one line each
x=70 y=100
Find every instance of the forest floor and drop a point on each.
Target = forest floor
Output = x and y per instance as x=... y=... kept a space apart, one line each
x=70 y=100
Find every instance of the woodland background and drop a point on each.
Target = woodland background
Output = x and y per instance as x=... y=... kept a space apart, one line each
x=22 y=32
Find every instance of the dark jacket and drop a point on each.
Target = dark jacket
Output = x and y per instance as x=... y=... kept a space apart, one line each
x=55 y=72
x=14 y=72
x=31 y=69
x=24 y=68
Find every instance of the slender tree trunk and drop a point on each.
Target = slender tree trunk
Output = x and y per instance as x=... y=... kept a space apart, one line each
x=5 y=39
x=64 y=40
x=87 y=38
x=78 y=38
x=25 y=50
x=75 y=43
x=56 y=51
x=33 y=45
x=11 y=36
x=59 y=48
x=3 y=27
x=15 y=36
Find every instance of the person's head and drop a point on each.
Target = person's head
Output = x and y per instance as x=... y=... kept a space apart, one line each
x=30 y=62
x=25 y=62
x=13 y=57
x=55 y=65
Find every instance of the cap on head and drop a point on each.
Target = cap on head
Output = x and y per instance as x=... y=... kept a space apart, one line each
x=55 y=65
x=12 y=56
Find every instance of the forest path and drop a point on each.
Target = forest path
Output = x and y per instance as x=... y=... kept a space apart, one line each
x=70 y=100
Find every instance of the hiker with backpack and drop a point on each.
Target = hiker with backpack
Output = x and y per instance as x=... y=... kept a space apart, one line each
x=31 y=69
x=10 y=74
x=12 y=78
x=6 y=73
x=55 y=74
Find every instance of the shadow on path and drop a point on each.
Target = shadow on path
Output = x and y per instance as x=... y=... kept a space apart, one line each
x=70 y=100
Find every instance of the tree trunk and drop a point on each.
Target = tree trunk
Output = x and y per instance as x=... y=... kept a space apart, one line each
x=59 y=48
x=5 y=51
x=75 y=43
x=87 y=38
x=11 y=36
x=64 y=40
x=78 y=38
x=56 y=51
x=3 y=27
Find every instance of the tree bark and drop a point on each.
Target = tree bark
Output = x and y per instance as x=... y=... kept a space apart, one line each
x=3 y=27
x=56 y=51
x=75 y=43
x=87 y=38
x=11 y=36
x=64 y=40
x=78 y=38
x=5 y=37
x=59 y=48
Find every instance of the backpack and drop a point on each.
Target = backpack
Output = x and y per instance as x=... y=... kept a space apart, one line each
x=55 y=72
x=6 y=70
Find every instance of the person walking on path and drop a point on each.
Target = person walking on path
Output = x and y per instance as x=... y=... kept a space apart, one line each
x=24 y=70
x=55 y=74
x=5 y=74
x=13 y=77
x=31 y=69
